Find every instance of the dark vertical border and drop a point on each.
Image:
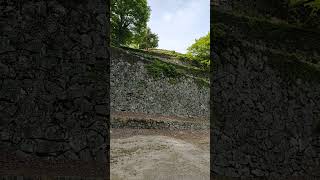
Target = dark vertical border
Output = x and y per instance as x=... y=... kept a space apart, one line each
x=44 y=33
x=108 y=89
x=211 y=89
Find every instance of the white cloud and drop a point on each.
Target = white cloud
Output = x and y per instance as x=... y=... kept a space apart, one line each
x=167 y=17
x=178 y=23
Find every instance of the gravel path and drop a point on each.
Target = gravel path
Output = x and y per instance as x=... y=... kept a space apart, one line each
x=143 y=154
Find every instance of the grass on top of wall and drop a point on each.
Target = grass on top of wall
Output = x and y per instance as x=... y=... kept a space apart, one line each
x=202 y=83
x=170 y=56
x=160 y=69
x=158 y=64
x=262 y=27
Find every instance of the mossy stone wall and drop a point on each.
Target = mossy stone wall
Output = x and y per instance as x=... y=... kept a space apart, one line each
x=54 y=85
x=154 y=87
x=265 y=102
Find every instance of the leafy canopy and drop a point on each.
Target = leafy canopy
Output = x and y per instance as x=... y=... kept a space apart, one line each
x=149 y=40
x=200 y=50
x=128 y=19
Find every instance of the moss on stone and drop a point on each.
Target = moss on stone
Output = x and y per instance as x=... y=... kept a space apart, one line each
x=182 y=70
x=156 y=66
x=173 y=81
x=202 y=83
x=159 y=69
x=142 y=83
x=155 y=54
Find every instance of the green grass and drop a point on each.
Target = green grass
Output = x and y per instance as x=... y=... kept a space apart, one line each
x=166 y=52
x=154 y=52
x=160 y=69
x=190 y=69
x=170 y=56
x=202 y=83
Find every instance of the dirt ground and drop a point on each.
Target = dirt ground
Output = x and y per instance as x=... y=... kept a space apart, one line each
x=141 y=154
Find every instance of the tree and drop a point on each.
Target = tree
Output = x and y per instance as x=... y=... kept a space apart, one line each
x=128 y=18
x=200 y=50
x=149 y=40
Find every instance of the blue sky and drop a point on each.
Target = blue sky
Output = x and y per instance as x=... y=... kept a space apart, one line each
x=179 y=22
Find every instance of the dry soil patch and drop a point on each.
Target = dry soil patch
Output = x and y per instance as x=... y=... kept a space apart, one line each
x=155 y=155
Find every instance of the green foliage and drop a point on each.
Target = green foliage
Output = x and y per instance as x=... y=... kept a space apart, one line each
x=148 y=40
x=202 y=82
x=185 y=57
x=200 y=51
x=173 y=81
x=192 y=60
x=201 y=48
x=154 y=55
x=159 y=69
x=165 y=52
x=128 y=19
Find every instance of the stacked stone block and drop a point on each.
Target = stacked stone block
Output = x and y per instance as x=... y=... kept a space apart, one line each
x=54 y=84
x=265 y=106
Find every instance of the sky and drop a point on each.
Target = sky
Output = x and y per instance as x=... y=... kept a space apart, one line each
x=179 y=22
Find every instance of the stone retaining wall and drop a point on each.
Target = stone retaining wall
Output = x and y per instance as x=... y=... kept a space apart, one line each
x=54 y=84
x=265 y=111
x=48 y=178
x=273 y=35
x=133 y=89
x=276 y=8
x=157 y=124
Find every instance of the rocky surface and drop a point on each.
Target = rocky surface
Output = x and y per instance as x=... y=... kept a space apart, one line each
x=276 y=35
x=133 y=89
x=265 y=106
x=148 y=121
x=54 y=80
x=274 y=8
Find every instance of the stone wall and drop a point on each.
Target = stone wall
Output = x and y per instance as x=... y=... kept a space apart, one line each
x=302 y=12
x=265 y=109
x=133 y=89
x=158 y=124
x=54 y=87
x=278 y=36
x=276 y=8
